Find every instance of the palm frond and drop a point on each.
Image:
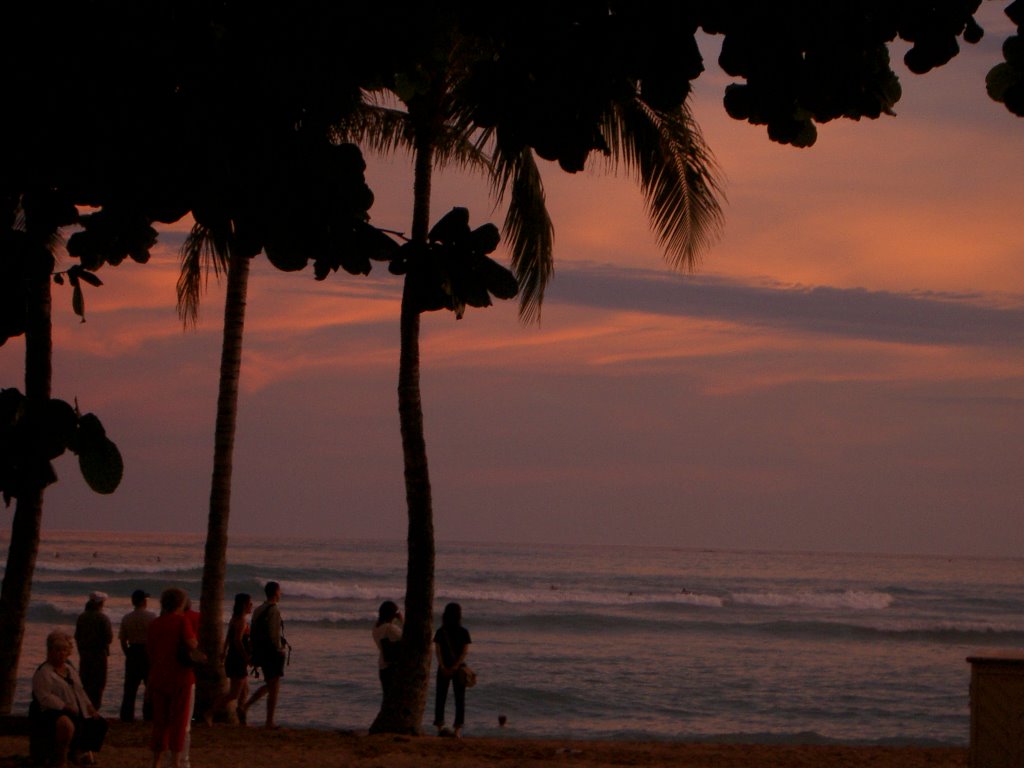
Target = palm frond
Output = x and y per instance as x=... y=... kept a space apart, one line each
x=376 y=127
x=455 y=146
x=677 y=173
x=528 y=228
x=202 y=252
x=385 y=130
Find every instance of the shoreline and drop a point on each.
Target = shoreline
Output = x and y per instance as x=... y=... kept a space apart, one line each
x=254 y=747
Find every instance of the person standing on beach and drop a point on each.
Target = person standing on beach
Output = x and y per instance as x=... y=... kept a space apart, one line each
x=387 y=634
x=237 y=656
x=452 y=643
x=269 y=651
x=171 y=680
x=132 y=636
x=192 y=617
x=93 y=636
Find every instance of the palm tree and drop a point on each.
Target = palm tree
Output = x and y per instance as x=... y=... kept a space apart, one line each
x=208 y=249
x=327 y=224
x=403 y=705
x=34 y=223
x=675 y=169
x=28 y=512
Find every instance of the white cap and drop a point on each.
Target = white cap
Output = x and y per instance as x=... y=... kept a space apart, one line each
x=98 y=597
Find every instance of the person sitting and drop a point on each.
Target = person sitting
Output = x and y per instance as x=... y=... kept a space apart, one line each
x=64 y=720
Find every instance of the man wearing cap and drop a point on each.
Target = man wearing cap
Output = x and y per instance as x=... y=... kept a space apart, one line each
x=93 y=636
x=132 y=636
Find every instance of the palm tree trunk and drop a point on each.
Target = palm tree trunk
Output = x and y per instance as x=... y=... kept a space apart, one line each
x=28 y=512
x=404 y=703
x=210 y=680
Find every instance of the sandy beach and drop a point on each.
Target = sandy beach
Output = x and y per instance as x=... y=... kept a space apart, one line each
x=225 y=746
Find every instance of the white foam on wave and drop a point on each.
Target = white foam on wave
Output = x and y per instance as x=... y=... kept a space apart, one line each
x=851 y=599
x=556 y=596
x=334 y=617
x=950 y=627
x=333 y=590
x=552 y=595
x=65 y=607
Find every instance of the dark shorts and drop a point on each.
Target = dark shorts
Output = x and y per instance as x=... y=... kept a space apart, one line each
x=235 y=667
x=272 y=666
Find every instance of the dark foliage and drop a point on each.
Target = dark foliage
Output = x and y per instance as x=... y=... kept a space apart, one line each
x=33 y=435
x=807 y=62
x=1005 y=81
x=452 y=270
x=139 y=113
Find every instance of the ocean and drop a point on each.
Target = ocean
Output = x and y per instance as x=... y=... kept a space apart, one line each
x=598 y=642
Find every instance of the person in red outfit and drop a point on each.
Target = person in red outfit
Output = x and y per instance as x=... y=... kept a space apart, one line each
x=169 y=639
x=192 y=616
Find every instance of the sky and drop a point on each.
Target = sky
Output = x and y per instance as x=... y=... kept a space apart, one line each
x=842 y=373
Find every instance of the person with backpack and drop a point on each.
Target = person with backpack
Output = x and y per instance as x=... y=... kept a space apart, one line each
x=269 y=651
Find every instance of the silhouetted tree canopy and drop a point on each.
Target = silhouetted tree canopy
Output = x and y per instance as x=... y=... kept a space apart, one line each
x=140 y=113
x=556 y=66
x=1005 y=81
x=144 y=112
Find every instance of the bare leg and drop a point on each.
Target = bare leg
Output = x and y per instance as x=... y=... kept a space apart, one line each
x=256 y=696
x=260 y=693
x=225 y=699
x=243 y=695
x=65 y=732
x=273 y=687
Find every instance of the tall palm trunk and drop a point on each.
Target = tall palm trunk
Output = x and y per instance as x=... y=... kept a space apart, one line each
x=404 y=703
x=211 y=679
x=28 y=512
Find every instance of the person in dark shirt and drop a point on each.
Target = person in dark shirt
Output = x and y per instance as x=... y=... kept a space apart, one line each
x=93 y=636
x=269 y=651
x=452 y=643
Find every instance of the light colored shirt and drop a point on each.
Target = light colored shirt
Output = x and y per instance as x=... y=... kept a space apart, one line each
x=53 y=691
x=392 y=632
x=273 y=623
x=134 y=626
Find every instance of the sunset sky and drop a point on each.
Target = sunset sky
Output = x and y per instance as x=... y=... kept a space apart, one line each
x=843 y=372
